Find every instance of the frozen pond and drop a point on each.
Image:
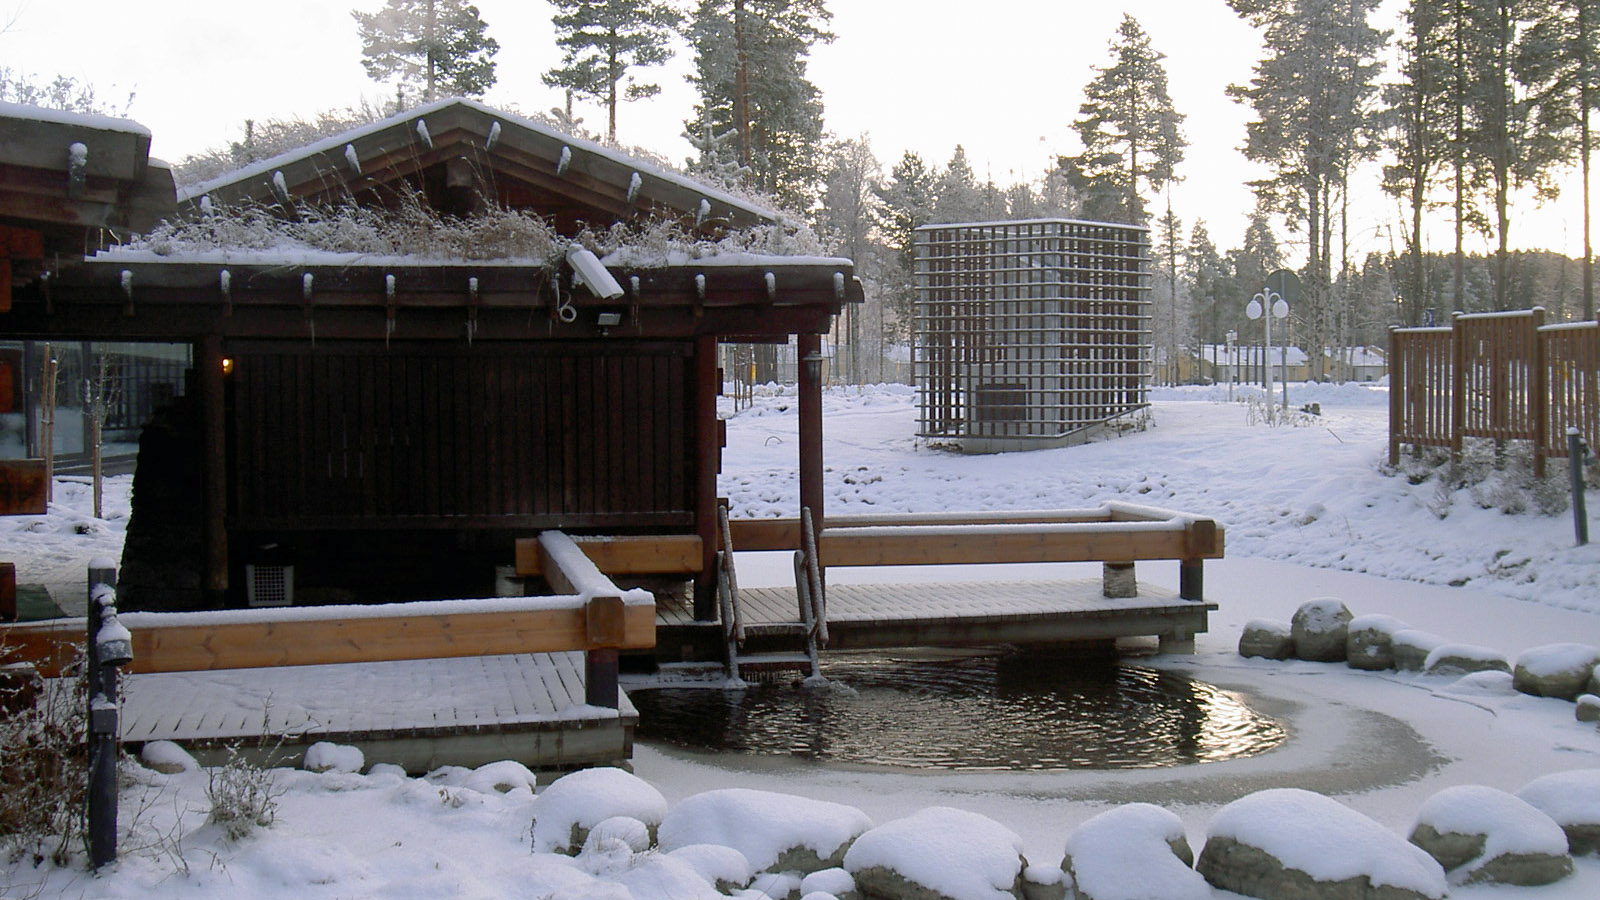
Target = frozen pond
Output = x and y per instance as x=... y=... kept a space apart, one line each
x=980 y=711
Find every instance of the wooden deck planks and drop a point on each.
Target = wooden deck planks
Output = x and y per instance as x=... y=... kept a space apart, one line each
x=357 y=698
x=908 y=614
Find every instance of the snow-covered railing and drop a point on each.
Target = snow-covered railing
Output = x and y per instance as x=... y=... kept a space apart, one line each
x=1117 y=534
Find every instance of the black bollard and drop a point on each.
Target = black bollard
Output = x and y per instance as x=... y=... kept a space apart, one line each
x=1577 y=453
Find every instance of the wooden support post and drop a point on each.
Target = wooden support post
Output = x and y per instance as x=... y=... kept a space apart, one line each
x=1118 y=580
x=708 y=462
x=8 y=592
x=1192 y=579
x=600 y=671
x=103 y=728
x=214 y=472
x=1397 y=391
x=808 y=349
x=1539 y=394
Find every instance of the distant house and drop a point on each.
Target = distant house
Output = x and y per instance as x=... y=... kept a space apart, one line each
x=367 y=427
x=1358 y=363
x=1243 y=364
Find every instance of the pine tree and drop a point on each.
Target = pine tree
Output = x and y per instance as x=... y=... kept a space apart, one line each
x=1417 y=124
x=750 y=71
x=1128 y=125
x=845 y=223
x=957 y=195
x=1566 y=37
x=1311 y=95
x=601 y=40
x=905 y=204
x=441 y=46
x=1204 y=277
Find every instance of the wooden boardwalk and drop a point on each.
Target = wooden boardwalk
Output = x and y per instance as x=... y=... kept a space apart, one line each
x=419 y=714
x=871 y=616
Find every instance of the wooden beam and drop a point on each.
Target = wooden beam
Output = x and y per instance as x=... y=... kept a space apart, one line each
x=784 y=534
x=283 y=641
x=997 y=544
x=643 y=554
x=213 y=467
x=707 y=463
x=23 y=487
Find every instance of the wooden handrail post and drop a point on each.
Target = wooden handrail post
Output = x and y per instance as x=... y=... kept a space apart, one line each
x=1539 y=397
x=106 y=652
x=602 y=659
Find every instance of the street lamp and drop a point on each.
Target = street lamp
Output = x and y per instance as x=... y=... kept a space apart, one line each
x=1233 y=361
x=1266 y=306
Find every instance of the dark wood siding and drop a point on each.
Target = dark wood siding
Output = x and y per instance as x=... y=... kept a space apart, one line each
x=350 y=436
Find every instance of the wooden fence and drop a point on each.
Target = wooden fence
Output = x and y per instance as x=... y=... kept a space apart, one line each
x=1505 y=376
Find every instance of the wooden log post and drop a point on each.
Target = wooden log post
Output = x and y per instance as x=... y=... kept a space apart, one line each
x=601 y=667
x=808 y=350
x=214 y=473
x=106 y=653
x=708 y=462
x=8 y=592
x=1199 y=541
x=1118 y=580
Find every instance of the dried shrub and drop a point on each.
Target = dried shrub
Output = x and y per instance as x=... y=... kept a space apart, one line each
x=44 y=766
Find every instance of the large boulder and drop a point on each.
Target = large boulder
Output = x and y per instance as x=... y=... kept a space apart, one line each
x=1464 y=659
x=1482 y=835
x=1572 y=799
x=564 y=812
x=1290 y=844
x=1369 y=644
x=1555 y=670
x=1320 y=628
x=1411 y=648
x=1267 y=640
x=1133 y=852
x=1588 y=708
x=775 y=832
x=939 y=853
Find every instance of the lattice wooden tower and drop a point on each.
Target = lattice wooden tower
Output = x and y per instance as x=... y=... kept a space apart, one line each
x=1029 y=334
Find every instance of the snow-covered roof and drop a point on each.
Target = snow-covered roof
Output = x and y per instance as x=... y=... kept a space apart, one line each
x=93 y=121
x=327 y=163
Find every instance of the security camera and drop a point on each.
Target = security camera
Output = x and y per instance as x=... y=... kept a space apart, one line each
x=592 y=274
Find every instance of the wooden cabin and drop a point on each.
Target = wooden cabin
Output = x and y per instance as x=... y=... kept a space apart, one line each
x=371 y=428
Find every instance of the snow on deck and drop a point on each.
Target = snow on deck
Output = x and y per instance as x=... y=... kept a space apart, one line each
x=433 y=696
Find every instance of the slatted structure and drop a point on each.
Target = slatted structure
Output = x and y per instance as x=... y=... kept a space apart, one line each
x=1029 y=333
x=1500 y=376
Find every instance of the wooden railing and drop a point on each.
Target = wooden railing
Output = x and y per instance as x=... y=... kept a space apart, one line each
x=1503 y=376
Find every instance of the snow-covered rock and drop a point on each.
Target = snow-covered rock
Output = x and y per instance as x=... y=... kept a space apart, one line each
x=1411 y=648
x=1288 y=842
x=1320 y=628
x=1483 y=835
x=662 y=875
x=1268 y=640
x=775 y=832
x=939 y=853
x=1370 y=643
x=624 y=830
x=1041 y=882
x=564 y=812
x=167 y=757
x=724 y=867
x=1572 y=799
x=1133 y=852
x=326 y=756
x=501 y=777
x=1556 y=670
x=1464 y=659
x=836 y=883
x=1588 y=708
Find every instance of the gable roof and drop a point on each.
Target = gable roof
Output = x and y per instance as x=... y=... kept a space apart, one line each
x=66 y=174
x=457 y=153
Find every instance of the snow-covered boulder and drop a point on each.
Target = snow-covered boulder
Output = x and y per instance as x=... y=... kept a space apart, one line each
x=1588 y=708
x=1483 y=835
x=1133 y=852
x=1572 y=798
x=1594 y=681
x=167 y=758
x=662 y=875
x=564 y=812
x=724 y=867
x=775 y=832
x=1320 y=628
x=501 y=777
x=836 y=883
x=939 y=853
x=326 y=756
x=1411 y=648
x=624 y=830
x=1555 y=670
x=1464 y=659
x=1268 y=640
x=1290 y=843
x=1370 y=643
x=1040 y=882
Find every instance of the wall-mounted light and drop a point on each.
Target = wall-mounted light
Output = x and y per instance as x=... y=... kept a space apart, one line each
x=227 y=365
x=608 y=319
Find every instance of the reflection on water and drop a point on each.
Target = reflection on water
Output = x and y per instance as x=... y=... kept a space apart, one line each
x=978 y=712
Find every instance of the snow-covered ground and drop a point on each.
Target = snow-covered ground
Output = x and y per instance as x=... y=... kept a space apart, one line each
x=1308 y=514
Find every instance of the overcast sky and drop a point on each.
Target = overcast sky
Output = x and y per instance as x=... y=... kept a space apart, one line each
x=1002 y=77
